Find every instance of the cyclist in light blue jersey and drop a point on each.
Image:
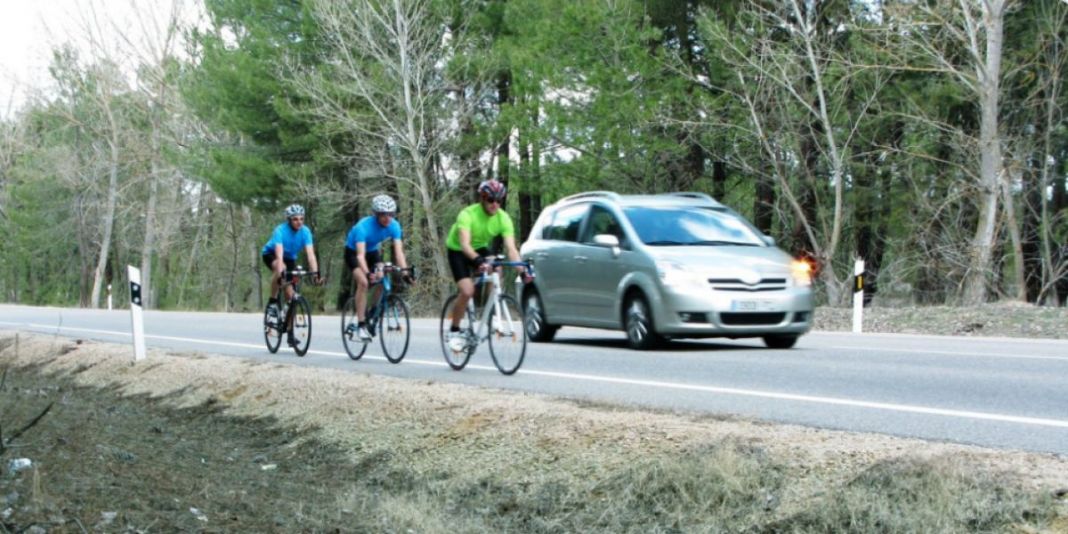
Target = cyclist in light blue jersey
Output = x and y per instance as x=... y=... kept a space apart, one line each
x=280 y=252
x=363 y=252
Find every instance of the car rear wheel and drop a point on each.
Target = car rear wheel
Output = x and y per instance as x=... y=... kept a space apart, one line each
x=638 y=321
x=537 y=328
x=782 y=341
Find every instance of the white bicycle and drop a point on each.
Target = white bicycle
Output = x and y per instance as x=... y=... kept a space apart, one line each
x=500 y=323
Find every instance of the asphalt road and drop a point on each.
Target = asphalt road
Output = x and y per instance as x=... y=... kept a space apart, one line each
x=996 y=392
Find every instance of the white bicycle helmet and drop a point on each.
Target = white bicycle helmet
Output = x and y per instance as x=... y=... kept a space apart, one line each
x=383 y=204
x=293 y=210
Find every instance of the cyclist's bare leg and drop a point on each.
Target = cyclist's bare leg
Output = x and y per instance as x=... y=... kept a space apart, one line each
x=360 y=279
x=378 y=288
x=278 y=268
x=465 y=289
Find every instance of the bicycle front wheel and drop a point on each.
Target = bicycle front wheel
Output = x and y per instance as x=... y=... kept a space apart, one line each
x=456 y=346
x=354 y=346
x=272 y=331
x=300 y=313
x=394 y=329
x=508 y=337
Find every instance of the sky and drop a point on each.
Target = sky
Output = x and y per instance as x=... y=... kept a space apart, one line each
x=29 y=30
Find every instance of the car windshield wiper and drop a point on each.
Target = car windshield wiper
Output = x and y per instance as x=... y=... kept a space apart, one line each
x=714 y=243
x=666 y=243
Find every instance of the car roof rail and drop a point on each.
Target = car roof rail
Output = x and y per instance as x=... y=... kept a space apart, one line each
x=592 y=194
x=693 y=194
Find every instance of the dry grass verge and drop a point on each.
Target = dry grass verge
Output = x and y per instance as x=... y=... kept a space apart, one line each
x=189 y=442
x=1008 y=319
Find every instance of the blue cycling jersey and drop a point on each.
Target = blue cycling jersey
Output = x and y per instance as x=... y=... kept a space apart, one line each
x=372 y=234
x=292 y=241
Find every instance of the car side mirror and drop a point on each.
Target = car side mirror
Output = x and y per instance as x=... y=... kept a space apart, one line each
x=608 y=241
x=769 y=240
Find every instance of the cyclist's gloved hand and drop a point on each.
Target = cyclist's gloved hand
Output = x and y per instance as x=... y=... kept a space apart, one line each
x=481 y=264
x=408 y=277
x=316 y=279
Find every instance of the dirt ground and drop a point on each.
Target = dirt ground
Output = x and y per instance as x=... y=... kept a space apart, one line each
x=188 y=442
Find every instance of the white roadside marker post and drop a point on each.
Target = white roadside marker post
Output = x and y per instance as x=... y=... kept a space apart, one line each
x=858 y=296
x=109 y=297
x=135 y=312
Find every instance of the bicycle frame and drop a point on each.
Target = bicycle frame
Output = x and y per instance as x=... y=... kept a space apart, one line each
x=386 y=282
x=483 y=323
x=494 y=278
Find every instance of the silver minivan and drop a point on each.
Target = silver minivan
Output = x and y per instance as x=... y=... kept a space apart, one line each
x=676 y=265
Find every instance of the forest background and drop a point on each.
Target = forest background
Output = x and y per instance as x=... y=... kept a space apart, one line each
x=925 y=136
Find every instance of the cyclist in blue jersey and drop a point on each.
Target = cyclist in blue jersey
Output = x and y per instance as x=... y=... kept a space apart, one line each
x=280 y=253
x=363 y=252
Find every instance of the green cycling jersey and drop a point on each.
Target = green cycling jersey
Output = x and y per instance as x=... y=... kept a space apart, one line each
x=482 y=226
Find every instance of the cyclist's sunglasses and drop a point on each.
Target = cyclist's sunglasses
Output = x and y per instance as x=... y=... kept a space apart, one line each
x=492 y=200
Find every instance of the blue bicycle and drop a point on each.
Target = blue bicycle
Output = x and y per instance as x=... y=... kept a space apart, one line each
x=387 y=318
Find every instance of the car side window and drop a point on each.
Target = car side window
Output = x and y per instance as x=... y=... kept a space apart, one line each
x=566 y=223
x=602 y=222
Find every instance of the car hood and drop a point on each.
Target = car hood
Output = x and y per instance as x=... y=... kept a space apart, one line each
x=725 y=260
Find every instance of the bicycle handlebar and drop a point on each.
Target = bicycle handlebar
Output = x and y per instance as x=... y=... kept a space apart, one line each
x=288 y=276
x=499 y=261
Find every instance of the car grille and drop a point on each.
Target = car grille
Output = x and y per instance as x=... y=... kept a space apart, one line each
x=734 y=284
x=751 y=319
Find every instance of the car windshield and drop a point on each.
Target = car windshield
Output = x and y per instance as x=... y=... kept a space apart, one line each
x=691 y=227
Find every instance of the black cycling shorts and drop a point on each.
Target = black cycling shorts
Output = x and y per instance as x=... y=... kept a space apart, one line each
x=461 y=266
x=268 y=260
x=372 y=257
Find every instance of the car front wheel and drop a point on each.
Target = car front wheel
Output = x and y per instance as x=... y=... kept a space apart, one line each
x=782 y=341
x=537 y=329
x=638 y=321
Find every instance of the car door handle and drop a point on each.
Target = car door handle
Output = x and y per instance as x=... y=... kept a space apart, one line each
x=541 y=255
x=581 y=259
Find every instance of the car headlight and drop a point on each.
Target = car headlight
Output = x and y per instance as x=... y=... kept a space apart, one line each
x=675 y=275
x=802 y=272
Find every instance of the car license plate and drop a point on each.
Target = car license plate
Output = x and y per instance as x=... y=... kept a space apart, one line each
x=752 y=305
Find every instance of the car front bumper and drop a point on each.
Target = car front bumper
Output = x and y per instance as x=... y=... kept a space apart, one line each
x=700 y=312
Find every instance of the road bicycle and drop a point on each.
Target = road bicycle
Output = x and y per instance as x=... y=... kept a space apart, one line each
x=292 y=317
x=500 y=323
x=387 y=318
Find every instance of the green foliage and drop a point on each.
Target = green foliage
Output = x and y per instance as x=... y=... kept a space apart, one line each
x=237 y=85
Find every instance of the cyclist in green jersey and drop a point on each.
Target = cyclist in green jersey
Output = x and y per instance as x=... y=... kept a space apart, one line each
x=469 y=240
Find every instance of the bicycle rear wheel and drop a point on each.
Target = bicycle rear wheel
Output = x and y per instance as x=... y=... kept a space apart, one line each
x=394 y=329
x=354 y=346
x=457 y=359
x=508 y=337
x=300 y=312
x=272 y=330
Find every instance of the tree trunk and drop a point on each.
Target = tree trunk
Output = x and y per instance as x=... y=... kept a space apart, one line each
x=109 y=222
x=990 y=165
x=719 y=180
x=1016 y=241
x=504 y=98
x=1032 y=228
x=525 y=202
x=148 y=289
x=764 y=204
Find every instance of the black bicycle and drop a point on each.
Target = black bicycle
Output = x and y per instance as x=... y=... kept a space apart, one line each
x=292 y=317
x=387 y=318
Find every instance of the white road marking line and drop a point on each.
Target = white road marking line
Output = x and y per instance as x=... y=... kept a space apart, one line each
x=903 y=408
x=956 y=353
x=228 y=344
x=906 y=408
